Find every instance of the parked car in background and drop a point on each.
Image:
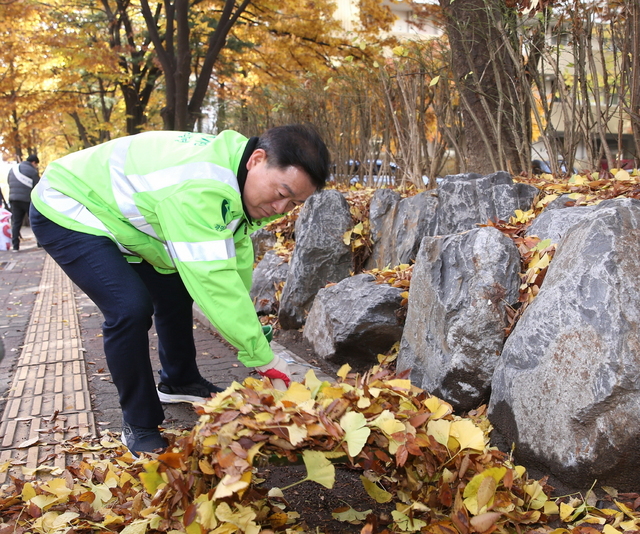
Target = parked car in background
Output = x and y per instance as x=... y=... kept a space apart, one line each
x=626 y=164
x=353 y=166
x=541 y=166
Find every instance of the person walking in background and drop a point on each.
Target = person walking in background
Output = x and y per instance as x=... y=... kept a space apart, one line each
x=148 y=223
x=23 y=177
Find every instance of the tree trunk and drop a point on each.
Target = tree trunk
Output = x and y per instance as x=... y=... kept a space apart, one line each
x=174 y=54
x=487 y=81
x=136 y=62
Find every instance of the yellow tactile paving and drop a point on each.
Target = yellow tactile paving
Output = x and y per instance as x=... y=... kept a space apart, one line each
x=49 y=400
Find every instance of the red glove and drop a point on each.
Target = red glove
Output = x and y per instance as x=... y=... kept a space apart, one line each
x=276 y=370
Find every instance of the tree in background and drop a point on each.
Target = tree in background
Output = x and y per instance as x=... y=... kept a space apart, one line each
x=496 y=124
x=562 y=76
x=24 y=108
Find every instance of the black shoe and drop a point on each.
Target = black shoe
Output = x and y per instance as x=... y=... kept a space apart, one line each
x=138 y=439
x=197 y=392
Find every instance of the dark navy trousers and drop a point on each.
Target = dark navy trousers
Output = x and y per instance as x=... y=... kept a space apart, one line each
x=130 y=296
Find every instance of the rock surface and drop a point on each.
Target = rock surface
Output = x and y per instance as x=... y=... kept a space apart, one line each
x=262 y=240
x=567 y=388
x=553 y=224
x=398 y=226
x=320 y=255
x=455 y=324
x=268 y=279
x=466 y=200
x=354 y=320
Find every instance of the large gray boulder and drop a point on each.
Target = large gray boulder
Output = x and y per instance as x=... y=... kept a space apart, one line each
x=354 y=320
x=269 y=277
x=455 y=324
x=319 y=257
x=382 y=209
x=567 y=388
x=398 y=226
x=553 y=224
x=466 y=200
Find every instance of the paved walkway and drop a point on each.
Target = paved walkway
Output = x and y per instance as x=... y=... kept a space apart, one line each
x=50 y=399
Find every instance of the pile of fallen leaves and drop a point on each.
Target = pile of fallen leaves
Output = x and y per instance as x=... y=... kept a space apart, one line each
x=588 y=188
x=435 y=469
x=359 y=236
x=284 y=230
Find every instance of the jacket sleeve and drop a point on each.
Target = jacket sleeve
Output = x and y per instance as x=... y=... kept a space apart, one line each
x=202 y=247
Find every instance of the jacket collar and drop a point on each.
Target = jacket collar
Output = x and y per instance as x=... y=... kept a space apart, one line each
x=242 y=172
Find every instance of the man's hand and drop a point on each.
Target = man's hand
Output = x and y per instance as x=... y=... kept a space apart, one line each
x=277 y=370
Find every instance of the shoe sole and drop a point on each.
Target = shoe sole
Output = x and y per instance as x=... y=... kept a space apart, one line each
x=124 y=442
x=167 y=398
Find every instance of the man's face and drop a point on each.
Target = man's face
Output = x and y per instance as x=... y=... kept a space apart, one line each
x=269 y=190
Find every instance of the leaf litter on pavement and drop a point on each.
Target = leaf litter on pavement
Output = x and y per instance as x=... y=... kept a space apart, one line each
x=437 y=470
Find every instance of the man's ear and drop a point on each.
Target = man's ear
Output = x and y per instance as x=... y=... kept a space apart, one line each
x=257 y=157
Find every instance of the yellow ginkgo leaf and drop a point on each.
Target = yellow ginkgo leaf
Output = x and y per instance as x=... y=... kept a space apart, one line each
x=545 y=243
x=350 y=515
x=437 y=407
x=151 y=479
x=479 y=492
x=206 y=511
x=578 y=179
x=608 y=529
x=468 y=435
x=399 y=383
x=240 y=520
x=344 y=371
x=406 y=523
x=536 y=492
x=622 y=175
x=226 y=487
x=139 y=526
x=319 y=468
x=375 y=492
x=312 y=382
x=28 y=492
x=566 y=511
x=551 y=508
x=440 y=430
x=629 y=525
x=356 y=432
x=58 y=486
x=297 y=393
x=44 y=501
x=297 y=434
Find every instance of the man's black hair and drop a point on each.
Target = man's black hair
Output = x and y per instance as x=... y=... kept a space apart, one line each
x=33 y=159
x=297 y=145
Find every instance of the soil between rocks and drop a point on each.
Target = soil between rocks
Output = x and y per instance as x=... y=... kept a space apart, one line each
x=315 y=503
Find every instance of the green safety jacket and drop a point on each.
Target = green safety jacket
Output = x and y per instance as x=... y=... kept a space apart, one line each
x=172 y=199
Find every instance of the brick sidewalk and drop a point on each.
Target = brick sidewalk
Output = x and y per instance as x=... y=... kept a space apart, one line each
x=60 y=386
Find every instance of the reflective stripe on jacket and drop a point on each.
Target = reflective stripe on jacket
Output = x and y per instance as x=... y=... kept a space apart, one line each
x=172 y=199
